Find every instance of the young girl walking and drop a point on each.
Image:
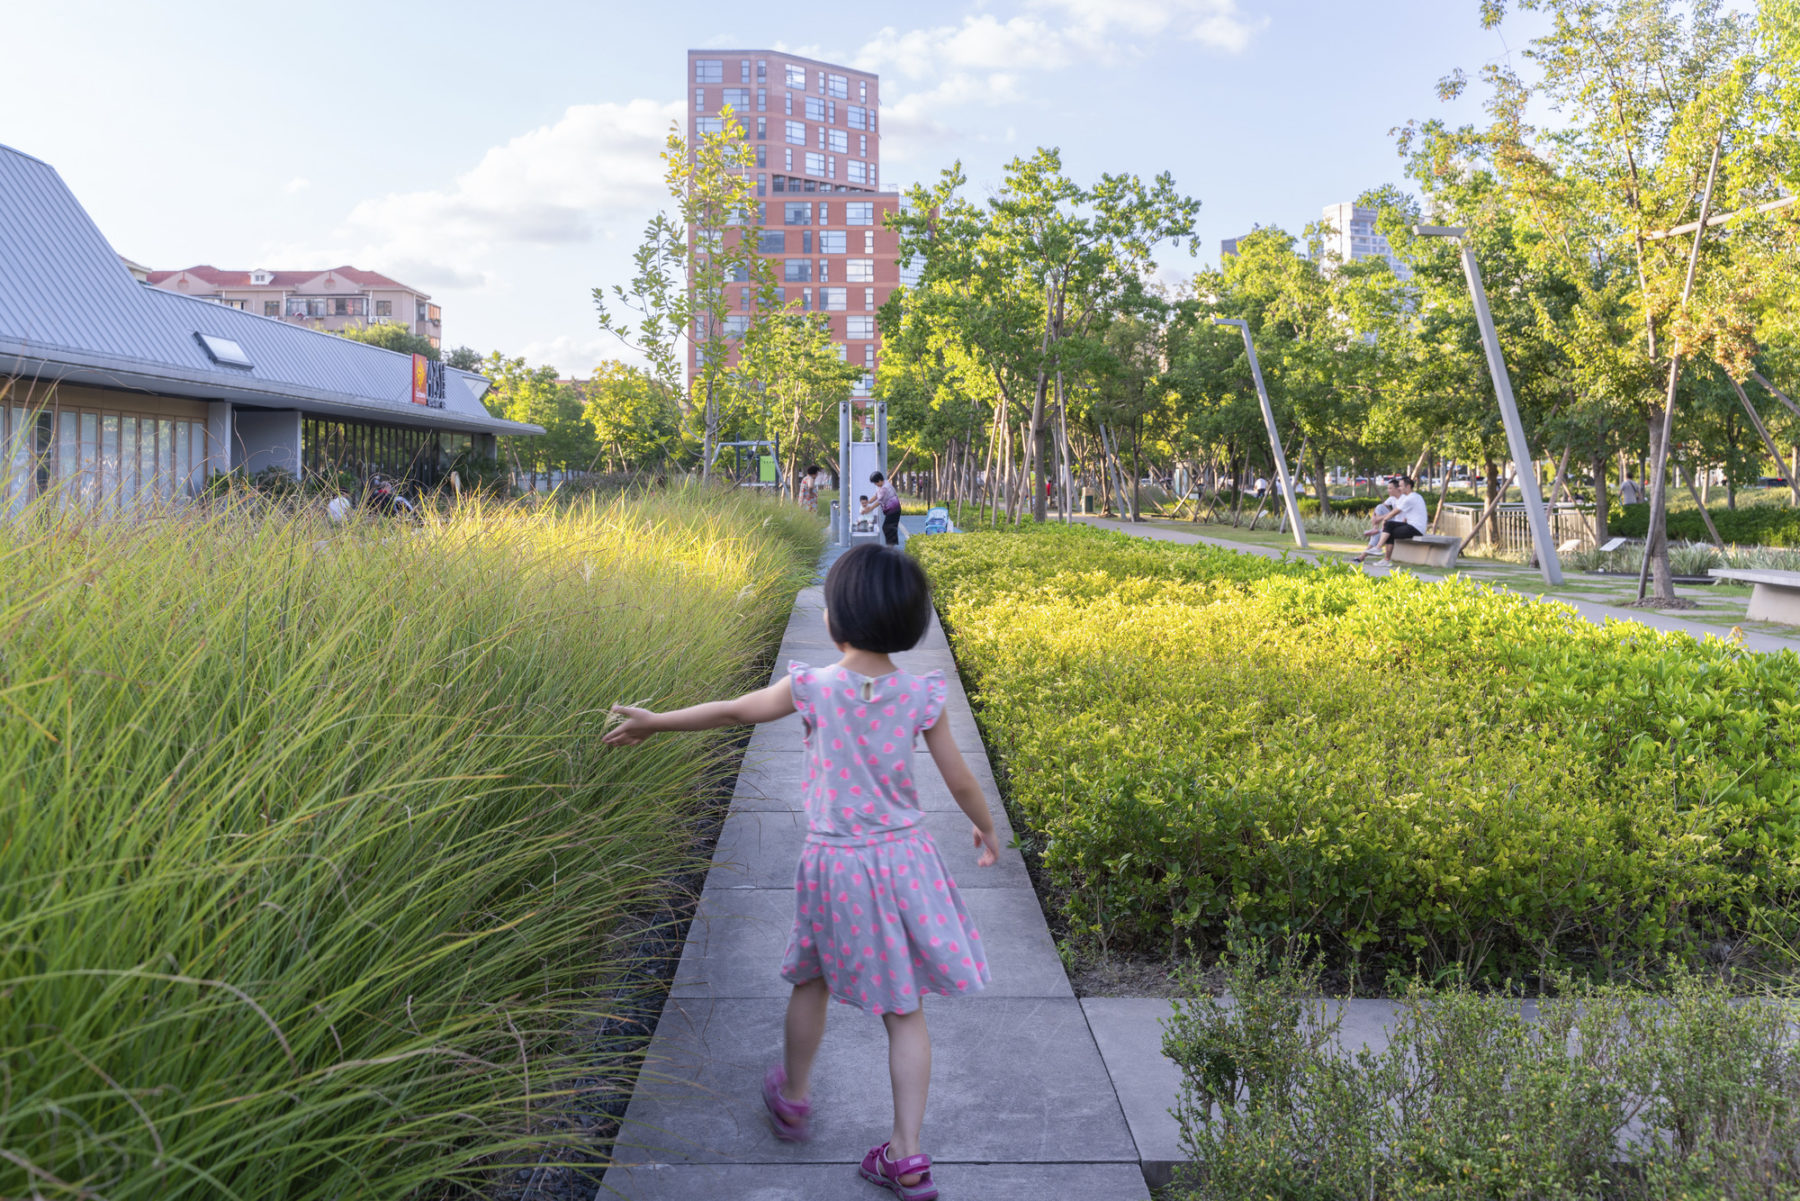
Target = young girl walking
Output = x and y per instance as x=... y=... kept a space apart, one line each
x=878 y=922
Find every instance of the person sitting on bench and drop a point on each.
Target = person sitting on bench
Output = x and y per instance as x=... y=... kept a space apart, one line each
x=1379 y=517
x=1409 y=520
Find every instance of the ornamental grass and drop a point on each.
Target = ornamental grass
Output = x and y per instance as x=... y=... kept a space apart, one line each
x=1423 y=776
x=310 y=858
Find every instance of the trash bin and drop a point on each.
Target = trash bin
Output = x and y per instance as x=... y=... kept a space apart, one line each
x=1087 y=502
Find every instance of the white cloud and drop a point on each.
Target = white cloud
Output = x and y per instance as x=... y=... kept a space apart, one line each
x=1213 y=23
x=557 y=185
x=297 y=185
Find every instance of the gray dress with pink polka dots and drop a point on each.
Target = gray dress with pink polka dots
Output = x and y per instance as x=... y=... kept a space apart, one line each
x=876 y=913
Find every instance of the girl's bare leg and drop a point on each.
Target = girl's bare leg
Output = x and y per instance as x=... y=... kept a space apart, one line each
x=909 y=1065
x=805 y=1028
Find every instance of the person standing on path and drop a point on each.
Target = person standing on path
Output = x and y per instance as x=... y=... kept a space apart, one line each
x=878 y=922
x=809 y=488
x=1409 y=520
x=889 y=500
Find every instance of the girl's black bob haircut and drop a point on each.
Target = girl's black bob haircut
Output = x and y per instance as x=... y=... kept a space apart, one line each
x=875 y=477
x=811 y=469
x=877 y=599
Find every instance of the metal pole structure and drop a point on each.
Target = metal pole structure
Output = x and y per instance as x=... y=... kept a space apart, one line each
x=843 y=504
x=1525 y=467
x=1268 y=412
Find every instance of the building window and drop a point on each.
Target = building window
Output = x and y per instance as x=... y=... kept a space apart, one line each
x=868 y=241
x=831 y=167
x=762 y=70
x=762 y=156
x=831 y=111
x=815 y=164
x=737 y=325
x=859 y=328
x=743 y=70
x=838 y=140
x=824 y=270
x=762 y=100
x=862 y=90
x=862 y=145
x=806 y=300
x=737 y=98
x=306 y=306
x=271 y=308
x=855 y=116
x=796 y=133
x=762 y=185
x=824 y=212
x=815 y=109
x=859 y=212
x=787 y=104
x=699 y=100
x=709 y=70
x=796 y=271
x=384 y=308
x=859 y=271
x=842 y=352
x=781 y=183
x=773 y=241
x=797 y=212
x=706 y=125
x=856 y=171
x=831 y=241
x=796 y=77
x=833 y=300
x=837 y=85
x=788 y=162
x=869 y=356
x=762 y=128
x=869 y=299
x=806 y=241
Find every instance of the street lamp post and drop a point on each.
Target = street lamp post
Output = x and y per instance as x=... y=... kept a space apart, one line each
x=1268 y=412
x=1526 y=472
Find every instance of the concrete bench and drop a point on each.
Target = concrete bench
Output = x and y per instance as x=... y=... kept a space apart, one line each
x=1428 y=550
x=1775 y=597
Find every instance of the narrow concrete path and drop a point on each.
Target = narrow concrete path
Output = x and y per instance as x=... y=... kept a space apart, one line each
x=1589 y=610
x=1022 y=1104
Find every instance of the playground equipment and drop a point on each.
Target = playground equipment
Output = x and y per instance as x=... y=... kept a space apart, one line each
x=768 y=466
x=858 y=458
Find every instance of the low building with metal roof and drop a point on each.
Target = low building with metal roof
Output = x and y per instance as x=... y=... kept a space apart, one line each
x=118 y=391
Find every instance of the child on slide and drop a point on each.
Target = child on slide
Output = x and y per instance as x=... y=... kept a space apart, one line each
x=878 y=922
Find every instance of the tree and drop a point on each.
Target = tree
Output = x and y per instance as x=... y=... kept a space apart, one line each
x=389 y=336
x=685 y=268
x=536 y=396
x=798 y=377
x=464 y=358
x=635 y=422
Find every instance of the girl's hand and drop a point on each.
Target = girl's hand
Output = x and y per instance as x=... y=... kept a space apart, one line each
x=634 y=726
x=988 y=843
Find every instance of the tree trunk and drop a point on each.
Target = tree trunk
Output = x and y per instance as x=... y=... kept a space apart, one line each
x=1601 y=497
x=1656 y=571
x=1319 y=484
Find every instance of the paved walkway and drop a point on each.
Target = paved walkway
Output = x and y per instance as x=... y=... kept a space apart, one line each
x=1022 y=1106
x=1597 y=613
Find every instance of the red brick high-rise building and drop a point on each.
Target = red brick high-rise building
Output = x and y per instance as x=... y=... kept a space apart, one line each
x=816 y=132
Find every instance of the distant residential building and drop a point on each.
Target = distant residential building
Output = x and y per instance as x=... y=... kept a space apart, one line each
x=814 y=127
x=333 y=299
x=1228 y=247
x=1350 y=234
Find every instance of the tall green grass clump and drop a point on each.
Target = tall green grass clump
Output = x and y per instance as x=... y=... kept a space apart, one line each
x=1422 y=775
x=309 y=852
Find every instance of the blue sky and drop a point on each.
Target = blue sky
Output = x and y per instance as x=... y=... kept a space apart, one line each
x=504 y=157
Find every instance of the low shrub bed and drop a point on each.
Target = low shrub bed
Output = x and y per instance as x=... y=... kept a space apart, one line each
x=1603 y=1092
x=1755 y=525
x=309 y=853
x=1419 y=774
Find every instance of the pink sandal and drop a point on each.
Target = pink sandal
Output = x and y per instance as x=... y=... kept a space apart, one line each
x=877 y=1168
x=789 y=1118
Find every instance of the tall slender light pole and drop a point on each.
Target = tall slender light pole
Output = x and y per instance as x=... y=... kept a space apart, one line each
x=1526 y=467
x=1268 y=412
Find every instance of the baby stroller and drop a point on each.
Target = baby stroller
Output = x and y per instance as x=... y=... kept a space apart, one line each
x=937 y=521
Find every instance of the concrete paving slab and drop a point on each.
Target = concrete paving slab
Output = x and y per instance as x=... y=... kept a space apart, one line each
x=1129 y=1033
x=1013 y=1081
x=739 y=935
x=839 y=1182
x=759 y=848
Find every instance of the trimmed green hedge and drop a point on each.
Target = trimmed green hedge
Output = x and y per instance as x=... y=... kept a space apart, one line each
x=1426 y=773
x=1756 y=525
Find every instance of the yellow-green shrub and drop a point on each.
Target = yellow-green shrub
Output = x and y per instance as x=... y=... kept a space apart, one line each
x=1428 y=772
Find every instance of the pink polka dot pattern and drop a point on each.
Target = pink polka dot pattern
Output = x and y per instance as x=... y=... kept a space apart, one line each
x=876 y=912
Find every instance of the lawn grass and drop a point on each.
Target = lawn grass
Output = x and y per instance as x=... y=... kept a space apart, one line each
x=310 y=854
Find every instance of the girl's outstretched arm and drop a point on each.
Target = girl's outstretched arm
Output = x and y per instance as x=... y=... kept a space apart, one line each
x=765 y=704
x=964 y=789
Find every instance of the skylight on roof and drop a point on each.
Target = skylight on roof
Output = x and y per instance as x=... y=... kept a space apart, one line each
x=224 y=351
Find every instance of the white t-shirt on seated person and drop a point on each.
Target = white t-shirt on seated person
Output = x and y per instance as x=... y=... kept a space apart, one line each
x=1412 y=511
